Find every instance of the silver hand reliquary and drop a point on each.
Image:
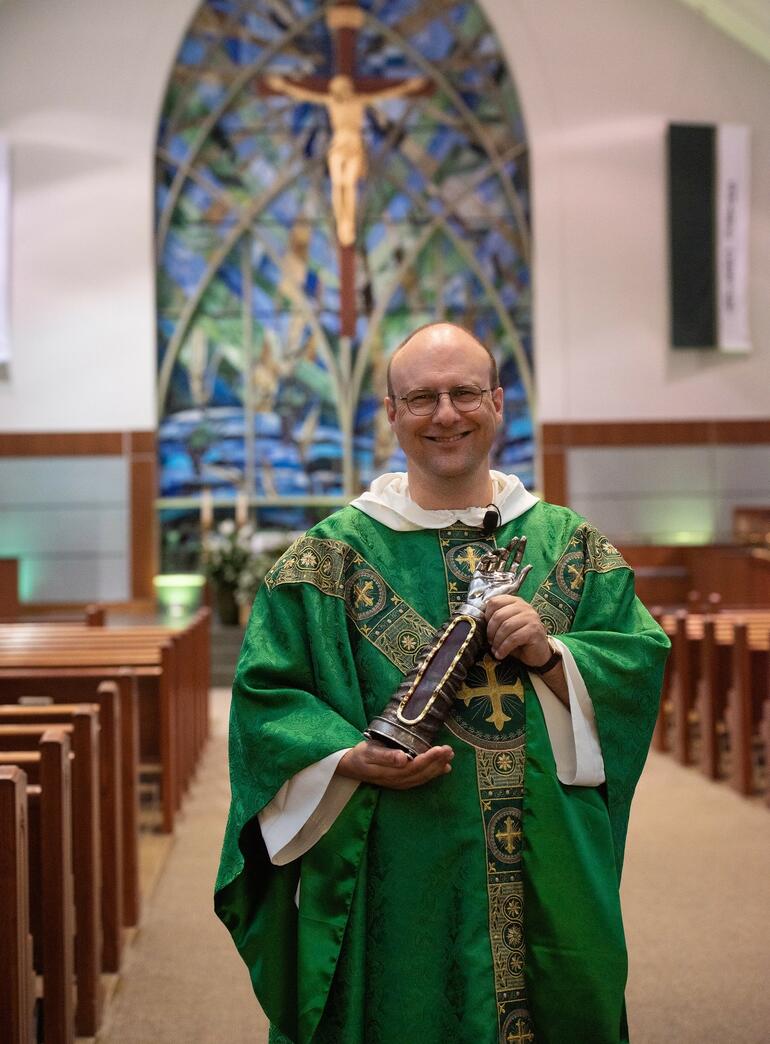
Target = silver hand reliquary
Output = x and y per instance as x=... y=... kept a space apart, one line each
x=423 y=700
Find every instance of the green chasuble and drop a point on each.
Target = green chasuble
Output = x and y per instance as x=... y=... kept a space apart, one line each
x=482 y=907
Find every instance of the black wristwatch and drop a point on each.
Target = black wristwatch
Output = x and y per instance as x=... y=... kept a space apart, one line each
x=549 y=664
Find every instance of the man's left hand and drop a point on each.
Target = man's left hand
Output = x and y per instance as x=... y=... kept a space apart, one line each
x=515 y=629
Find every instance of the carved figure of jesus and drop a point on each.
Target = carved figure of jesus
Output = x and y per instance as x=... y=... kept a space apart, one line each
x=346 y=156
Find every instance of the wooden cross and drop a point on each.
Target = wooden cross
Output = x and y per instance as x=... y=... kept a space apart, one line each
x=345 y=102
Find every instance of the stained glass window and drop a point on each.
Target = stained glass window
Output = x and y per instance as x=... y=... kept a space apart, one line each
x=259 y=388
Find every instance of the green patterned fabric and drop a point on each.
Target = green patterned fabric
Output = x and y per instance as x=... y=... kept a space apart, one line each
x=482 y=907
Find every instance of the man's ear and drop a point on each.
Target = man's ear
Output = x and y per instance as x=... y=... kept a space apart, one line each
x=390 y=409
x=497 y=401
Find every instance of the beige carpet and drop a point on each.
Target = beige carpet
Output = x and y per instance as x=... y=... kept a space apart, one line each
x=696 y=896
x=183 y=982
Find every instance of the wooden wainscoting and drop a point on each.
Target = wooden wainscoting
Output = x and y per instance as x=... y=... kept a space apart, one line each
x=557 y=438
x=140 y=450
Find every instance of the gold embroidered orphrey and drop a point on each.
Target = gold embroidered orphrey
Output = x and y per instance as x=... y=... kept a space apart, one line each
x=500 y=777
x=379 y=614
x=558 y=597
x=499 y=747
x=500 y=763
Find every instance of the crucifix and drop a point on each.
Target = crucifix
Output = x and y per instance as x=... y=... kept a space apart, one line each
x=346 y=97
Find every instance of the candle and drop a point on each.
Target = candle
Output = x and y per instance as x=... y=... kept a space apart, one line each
x=241 y=507
x=207 y=509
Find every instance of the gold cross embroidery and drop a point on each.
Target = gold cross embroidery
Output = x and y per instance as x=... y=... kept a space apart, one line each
x=362 y=594
x=494 y=692
x=576 y=578
x=521 y=1035
x=509 y=836
x=470 y=558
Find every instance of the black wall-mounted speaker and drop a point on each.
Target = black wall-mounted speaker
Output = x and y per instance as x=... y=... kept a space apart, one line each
x=692 y=177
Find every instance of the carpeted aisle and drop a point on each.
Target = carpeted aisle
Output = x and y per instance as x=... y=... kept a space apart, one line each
x=182 y=979
x=696 y=899
x=696 y=896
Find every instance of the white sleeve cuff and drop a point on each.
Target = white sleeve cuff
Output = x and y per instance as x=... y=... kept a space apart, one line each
x=573 y=734
x=304 y=809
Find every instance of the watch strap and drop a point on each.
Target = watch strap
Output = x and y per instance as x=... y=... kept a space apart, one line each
x=549 y=664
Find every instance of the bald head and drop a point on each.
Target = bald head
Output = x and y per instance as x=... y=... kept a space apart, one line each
x=432 y=338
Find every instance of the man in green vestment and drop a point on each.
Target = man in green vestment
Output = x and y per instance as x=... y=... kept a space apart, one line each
x=471 y=894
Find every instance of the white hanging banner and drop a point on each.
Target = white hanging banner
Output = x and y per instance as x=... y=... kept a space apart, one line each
x=732 y=213
x=5 y=252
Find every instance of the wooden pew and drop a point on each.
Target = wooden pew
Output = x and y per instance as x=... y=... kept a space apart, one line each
x=748 y=694
x=84 y=739
x=766 y=746
x=714 y=680
x=660 y=741
x=713 y=687
x=729 y=647
x=17 y=974
x=154 y=664
x=111 y=818
x=95 y=615
x=51 y=877
x=67 y=686
x=173 y=700
x=685 y=653
x=9 y=587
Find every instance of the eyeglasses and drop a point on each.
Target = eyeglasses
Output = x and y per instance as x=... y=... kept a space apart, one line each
x=422 y=403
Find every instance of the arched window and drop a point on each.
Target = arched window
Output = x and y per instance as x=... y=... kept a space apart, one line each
x=271 y=362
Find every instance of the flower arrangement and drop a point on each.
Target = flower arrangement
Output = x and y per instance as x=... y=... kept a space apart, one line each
x=237 y=557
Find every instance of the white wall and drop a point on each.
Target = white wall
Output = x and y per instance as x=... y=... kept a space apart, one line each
x=81 y=82
x=80 y=86
x=599 y=81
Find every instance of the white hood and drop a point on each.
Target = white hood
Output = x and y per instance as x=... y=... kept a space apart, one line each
x=388 y=502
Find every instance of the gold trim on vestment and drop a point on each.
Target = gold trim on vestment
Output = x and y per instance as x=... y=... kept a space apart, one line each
x=558 y=597
x=500 y=778
x=378 y=613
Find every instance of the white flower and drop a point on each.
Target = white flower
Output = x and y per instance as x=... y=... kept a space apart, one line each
x=227 y=528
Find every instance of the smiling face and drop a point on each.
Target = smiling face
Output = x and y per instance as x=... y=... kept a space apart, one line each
x=448 y=452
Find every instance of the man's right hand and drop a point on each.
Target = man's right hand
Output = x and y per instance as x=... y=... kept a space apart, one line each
x=375 y=763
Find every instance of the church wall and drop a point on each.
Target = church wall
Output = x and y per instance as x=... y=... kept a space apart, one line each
x=599 y=82
x=82 y=83
x=80 y=87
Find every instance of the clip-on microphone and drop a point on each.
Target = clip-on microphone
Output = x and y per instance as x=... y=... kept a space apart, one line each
x=492 y=519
